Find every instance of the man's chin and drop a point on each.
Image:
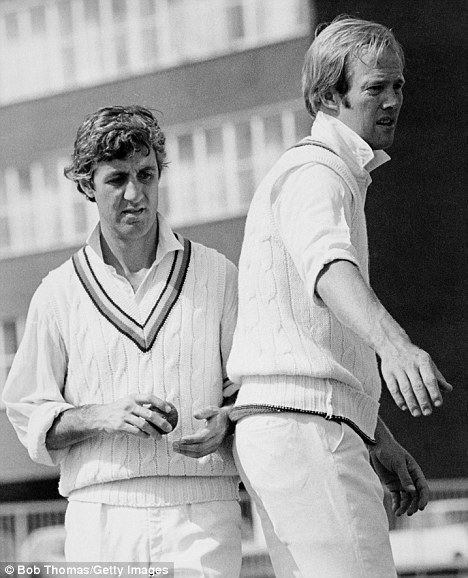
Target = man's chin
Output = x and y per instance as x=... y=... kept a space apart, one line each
x=382 y=144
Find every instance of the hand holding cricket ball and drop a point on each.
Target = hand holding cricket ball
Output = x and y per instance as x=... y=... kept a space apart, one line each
x=172 y=417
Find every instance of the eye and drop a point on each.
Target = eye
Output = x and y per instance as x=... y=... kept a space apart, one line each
x=117 y=181
x=146 y=176
x=375 y=88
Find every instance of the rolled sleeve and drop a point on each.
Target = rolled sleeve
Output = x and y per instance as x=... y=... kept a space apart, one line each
x=40 y=422
x=313 y=213
x=33 y=393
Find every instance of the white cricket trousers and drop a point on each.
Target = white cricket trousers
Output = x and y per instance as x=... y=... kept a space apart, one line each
x=203 y=539
x=319 y=500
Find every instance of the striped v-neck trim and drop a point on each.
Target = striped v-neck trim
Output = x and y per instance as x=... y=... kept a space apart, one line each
x=143 y=335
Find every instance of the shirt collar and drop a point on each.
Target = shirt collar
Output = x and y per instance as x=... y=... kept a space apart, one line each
x=356 y=153
x=167 y=241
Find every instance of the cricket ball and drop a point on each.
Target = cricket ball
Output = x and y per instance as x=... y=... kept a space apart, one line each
x=172 y=417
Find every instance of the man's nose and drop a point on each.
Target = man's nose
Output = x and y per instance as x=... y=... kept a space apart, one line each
x=391 y=99
x=132 y=191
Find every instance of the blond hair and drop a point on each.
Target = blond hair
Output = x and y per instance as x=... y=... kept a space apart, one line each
x=326 y=61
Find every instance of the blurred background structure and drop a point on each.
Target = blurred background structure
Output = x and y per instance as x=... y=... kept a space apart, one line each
x=225 y=76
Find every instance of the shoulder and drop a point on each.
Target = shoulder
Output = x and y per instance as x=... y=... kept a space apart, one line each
x=53 y=288
x=199 y=250
x=317 y=175
x=60 y=277
x=57 y=283
x=312 y=181
x=207 y=260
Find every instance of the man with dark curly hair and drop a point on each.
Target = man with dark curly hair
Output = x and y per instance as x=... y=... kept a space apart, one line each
x=134 y=329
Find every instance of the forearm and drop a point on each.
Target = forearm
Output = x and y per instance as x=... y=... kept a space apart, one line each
x=227 y=406
x=73 y=426
x=344 y=291
x=382 y=433
x=138 y=415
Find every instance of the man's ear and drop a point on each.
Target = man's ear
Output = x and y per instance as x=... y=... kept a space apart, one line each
x=331 y=101
x=87 y=188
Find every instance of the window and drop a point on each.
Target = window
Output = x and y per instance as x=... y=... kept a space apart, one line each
x=235 y=22
x=210 y=202
x=38 y=20
x=91 y=43
x=65 y=17
x=186 y=172
x=215 y=170
x=80 y=217
x=12 y=26
x=119 y=10
x=121 y=52
x=91 y=11
x=303 y=122
x=4 y=233
x=273 y=140
x=147 y=8
x=3 y=193
x=10 y=330
x=245 y=165
x=149 y=45
x=164 y=200
x=24 y=180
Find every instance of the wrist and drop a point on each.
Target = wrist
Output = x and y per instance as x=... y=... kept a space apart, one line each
x=230 y=425
x=390 y=339
x=382 y=435
x=92 y=418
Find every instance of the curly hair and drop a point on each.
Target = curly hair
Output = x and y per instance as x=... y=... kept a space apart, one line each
x=114 y=132
x=327 y=60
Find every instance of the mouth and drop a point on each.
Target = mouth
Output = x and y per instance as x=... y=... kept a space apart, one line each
x=387 y=122
x=133 y=212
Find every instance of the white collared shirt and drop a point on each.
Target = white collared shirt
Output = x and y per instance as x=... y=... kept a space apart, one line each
x=313 y=210
x=167 y=243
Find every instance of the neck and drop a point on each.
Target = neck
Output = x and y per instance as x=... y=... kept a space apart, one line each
x=130 y=256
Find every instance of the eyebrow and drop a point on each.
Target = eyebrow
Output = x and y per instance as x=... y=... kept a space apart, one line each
x=115 y=172
x=379 y=79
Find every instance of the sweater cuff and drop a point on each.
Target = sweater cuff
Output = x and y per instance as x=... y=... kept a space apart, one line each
x=40 y=422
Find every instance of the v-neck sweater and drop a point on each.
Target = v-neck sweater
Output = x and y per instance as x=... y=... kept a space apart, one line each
x=107 y=344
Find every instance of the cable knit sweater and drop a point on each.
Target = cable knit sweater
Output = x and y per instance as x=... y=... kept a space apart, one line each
x=92 y=349
x=289 y=351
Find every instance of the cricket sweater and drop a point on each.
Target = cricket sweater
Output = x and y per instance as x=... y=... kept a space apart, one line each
x=88 y=342
x=289 y=351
